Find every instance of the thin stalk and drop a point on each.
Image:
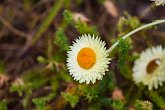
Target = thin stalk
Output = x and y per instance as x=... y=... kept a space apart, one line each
x=136 y=30
x=48 y=20
x=43 y=27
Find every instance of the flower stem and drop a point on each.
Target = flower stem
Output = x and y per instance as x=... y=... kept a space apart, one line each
x=136 y=30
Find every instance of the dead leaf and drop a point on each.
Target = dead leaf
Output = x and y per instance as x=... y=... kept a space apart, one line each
x=111 y=8
x=131 y=108
x=18 y=81
x=80 y=16
x=3 y=79
x=117 y=94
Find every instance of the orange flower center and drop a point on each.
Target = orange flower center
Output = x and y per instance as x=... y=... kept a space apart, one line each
x=86 y=58
x=152 y=66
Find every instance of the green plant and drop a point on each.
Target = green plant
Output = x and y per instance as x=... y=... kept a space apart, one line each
x=3 y=105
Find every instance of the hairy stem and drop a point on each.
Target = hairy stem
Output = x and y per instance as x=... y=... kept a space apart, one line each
x=136 y=30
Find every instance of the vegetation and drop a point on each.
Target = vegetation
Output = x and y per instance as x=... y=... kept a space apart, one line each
x=34 y=39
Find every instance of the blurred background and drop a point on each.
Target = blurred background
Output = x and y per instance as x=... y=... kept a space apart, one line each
x=34 y=39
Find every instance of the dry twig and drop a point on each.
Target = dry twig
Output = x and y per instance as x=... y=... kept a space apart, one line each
x=12 y=28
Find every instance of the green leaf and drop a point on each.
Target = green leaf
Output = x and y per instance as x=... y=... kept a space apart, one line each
x=158 y=100
x=3 y=105
x=94 y=106
x=41 y=59
x=118 y=105
x=18 y=88
x=124 y=58
x=127 y=23
x=89 y=92
x=72 y=99
x=143 y=105
x=61 y=40
x=35 y=79
x=107 y=83
x=106 y=101
x=83 y=28
x=68 y=16
x=2 y=68
x=39 y=103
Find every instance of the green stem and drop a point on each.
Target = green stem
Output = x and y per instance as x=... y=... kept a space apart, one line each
x=48 y=20
x=136 y=30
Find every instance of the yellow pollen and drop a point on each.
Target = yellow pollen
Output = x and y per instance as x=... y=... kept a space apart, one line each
x=86 y=58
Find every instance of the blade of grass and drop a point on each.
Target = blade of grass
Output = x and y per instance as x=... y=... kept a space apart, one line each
x=48 y=20
x=44 y=26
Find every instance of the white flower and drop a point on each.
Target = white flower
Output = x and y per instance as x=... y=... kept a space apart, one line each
x=159 y=2
x=88 y=59
x=149 y=69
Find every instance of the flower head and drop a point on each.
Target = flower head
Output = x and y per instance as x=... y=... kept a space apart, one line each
x=149 y=69
x=88 y=59
x=159 y=2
